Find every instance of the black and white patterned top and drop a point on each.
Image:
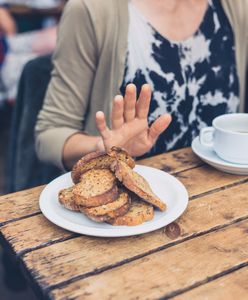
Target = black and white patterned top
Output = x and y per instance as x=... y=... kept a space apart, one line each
x=194 y=80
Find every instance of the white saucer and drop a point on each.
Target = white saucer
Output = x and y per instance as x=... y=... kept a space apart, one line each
x=210 y=157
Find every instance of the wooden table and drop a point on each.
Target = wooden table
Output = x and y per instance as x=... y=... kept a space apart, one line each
x=203 y=255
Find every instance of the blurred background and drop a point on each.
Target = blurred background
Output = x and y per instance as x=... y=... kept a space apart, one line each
x=28 y=30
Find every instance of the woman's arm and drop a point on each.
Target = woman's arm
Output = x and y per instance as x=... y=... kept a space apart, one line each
x=66 y=101
x=129 y=128
x=60 y=138
x=77 y=145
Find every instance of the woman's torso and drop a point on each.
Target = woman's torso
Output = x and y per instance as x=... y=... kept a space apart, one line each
x=194 y=80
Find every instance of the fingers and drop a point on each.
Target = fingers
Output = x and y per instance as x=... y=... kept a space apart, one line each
x=143 y=104
x=101 y=125
x=130 y=102
x=117 y=112
x=158 y=127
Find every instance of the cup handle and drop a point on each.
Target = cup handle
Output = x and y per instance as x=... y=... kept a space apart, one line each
x=207 y=137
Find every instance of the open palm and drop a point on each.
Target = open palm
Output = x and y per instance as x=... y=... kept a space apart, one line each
x=130 y=128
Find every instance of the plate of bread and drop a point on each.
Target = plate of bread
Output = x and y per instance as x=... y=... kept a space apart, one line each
x=107 y=195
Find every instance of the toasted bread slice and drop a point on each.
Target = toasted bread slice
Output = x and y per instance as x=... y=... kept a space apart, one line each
x=107 y=208
x=136 y=183
x=100 y=160
x=138 y=213
x=66 y=198
x=97 y=187
x=111 y=215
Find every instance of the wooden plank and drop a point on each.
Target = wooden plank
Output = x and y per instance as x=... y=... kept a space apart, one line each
x=18 y=205
x=21 y=238
x=175 y=161
x=33 y=232
x=77 y=257
x=167 y=272
x=198 y=180
x=204 y=179
x=21 y=204
x=231 y=286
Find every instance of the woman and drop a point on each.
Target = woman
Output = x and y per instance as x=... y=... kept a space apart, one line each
x=192 y=53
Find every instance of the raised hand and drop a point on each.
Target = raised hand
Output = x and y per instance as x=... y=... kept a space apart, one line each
x=130 y=129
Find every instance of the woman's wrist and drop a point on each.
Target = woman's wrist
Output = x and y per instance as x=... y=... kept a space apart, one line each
x=99 y=146
x=78 y=145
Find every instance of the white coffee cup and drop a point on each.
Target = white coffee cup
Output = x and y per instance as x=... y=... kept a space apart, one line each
x=228 y=136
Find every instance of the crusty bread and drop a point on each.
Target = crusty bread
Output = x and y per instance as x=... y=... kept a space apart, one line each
x=138 y=213
x=105 y=218
x=96 y=187
x=100 y=160
x=111 y=215
x=136 y=183
x=107 y=208
x=123 y=155
x=66 y=198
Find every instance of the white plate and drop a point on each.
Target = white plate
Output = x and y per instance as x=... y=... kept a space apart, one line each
x=164 y=185
x=209 y=156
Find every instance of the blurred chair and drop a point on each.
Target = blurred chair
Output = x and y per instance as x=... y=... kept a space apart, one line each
x=24 y=170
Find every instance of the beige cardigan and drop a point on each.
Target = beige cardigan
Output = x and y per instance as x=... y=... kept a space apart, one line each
x=89 y=68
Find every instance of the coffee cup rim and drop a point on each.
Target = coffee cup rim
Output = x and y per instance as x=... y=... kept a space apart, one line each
x=225 y=116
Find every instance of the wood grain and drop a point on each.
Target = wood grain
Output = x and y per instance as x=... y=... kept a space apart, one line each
x=198 y=180
x=21 y=238
x=231 y=286
x=77 y=257
x=167 y=272
x=172 y=162
x=19 y=205
x=208 y=240
x=32 y=232
x=204 y=179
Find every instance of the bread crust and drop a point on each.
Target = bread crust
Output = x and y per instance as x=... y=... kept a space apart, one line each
x=138 y=213
x=105 y=198
x=129 y=179
x=107 y=209
x=80 y=167
x=121 y=154
x=66 y=198
x=109 y=216
x=99 y=160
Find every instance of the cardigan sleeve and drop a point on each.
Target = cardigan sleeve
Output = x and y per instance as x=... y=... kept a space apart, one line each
x=66 y=101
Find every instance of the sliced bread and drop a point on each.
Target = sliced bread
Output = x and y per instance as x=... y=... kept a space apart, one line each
x=138 y=213
x=96 y=187
x=66 y=198
x=136 y=183
x=100 y=160
x=110 y=215
x=107 y=208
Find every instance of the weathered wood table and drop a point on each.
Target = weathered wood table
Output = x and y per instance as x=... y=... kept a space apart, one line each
x=203 y=255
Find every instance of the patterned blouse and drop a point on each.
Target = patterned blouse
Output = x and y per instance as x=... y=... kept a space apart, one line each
x=194 y=80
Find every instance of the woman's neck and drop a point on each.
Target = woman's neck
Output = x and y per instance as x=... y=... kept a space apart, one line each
x=168 y=5
x=175 y=19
